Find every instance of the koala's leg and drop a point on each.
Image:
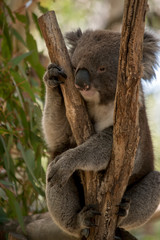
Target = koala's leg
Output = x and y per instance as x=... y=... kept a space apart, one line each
x=144 y=200
x=67 y=211
x=55 y=125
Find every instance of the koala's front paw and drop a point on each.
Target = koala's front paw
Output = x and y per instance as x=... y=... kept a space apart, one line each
x=51 y=77
x=60 y=170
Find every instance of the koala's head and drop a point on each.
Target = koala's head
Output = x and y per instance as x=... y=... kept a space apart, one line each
x=94 y=56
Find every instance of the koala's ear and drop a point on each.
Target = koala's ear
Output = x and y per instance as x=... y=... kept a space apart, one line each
x=72 y=39
x=151 y=46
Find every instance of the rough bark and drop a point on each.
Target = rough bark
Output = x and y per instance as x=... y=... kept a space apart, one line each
x=75 y=107
x=126 y=129
x=107 y=191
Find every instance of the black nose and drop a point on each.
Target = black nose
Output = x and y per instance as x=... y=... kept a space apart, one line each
x=82 y=79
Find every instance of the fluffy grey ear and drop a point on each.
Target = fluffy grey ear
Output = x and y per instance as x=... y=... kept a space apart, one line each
x=151 y=47
x=72 y=39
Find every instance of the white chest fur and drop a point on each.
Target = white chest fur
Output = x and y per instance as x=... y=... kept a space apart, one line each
x=102 y=115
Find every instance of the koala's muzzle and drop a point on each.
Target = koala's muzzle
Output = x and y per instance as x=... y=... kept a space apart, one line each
x=82 y=79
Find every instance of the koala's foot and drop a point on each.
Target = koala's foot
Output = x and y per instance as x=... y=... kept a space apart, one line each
x=86 y=219
x=52 y=75
x=123 y=209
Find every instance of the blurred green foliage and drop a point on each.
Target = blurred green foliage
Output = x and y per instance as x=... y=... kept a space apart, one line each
x=22 y=150
x=149 y=232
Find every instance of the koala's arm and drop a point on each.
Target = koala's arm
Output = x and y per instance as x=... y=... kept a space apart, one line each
x=56 y=129
x=93 y=155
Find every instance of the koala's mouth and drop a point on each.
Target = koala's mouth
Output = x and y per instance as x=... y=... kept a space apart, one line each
x=87 y=92
x=84 y=88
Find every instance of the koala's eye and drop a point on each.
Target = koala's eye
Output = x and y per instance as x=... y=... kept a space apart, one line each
x=101 y=69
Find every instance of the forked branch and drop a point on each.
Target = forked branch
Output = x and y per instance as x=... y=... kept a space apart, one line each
x=126 y=129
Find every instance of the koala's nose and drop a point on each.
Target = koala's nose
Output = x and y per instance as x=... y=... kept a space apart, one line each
x=82 y=79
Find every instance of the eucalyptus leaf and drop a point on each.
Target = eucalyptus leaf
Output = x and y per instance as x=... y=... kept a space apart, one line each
x=35 y=19
x=21 y=18
x=21 y=145
x=16 y=208
x=9 y=12
x=16 y=60
x=5 y=50
x=23 y=84
x=6 y=183
x=3 y=216
x=18 y=36
x=3 y=194
x=26 y=155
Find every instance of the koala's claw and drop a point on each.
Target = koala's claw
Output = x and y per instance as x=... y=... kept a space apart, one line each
x=87 y=215
x=53 y=83
x=54 y=71
x=117 y=238
x=85 y=232
x=52 y=75
x=124 y=207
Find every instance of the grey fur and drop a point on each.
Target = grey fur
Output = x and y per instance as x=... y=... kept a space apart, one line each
x=150 y=47
x=97 y=52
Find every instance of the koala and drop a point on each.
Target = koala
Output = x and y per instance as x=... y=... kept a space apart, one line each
x=94 y=57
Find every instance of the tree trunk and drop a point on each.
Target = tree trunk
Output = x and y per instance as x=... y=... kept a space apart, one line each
x=107 y=191
x=126 y=118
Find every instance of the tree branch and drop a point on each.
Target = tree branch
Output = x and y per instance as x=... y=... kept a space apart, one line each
x=75 y=108
x=126 y=117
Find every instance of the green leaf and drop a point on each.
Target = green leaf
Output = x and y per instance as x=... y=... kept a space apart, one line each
x=32 y=46
x=14 y=78
x=16 y=60
x=21 y=17
x=4 y=131
x=8 y=162
x=3 y=216
x=23 y=84
x=38 y=189
x=18 y=36
x=16 y=208
x=8 y=184
x=26 y=157
x=5 y=50
x=3 y=194
x=7 y=35
x=22 y=121
x=6 y=158
x=42 y=9
x=34 y=58
x=9 y=12
x=30 y=158
x=35 y=19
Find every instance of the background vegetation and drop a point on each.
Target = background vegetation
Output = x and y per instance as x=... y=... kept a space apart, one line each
x=22 y=174
x=23 y=154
